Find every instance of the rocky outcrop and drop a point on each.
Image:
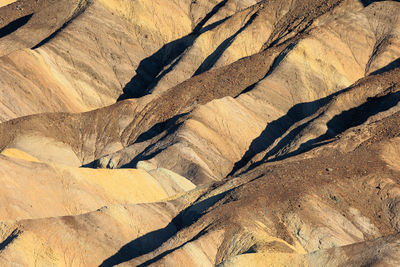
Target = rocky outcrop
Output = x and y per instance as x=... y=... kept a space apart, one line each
x=199 y=133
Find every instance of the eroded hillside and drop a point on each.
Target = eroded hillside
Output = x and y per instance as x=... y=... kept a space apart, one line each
x=199 y=133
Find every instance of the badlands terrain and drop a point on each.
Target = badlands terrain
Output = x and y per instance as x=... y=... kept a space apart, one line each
x=199 y=133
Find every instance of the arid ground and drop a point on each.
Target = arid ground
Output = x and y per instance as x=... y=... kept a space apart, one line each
x=199 y=133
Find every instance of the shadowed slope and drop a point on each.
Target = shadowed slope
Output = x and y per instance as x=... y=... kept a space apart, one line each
x=262 y=133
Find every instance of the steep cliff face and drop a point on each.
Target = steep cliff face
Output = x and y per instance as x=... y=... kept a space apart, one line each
x=199 y=133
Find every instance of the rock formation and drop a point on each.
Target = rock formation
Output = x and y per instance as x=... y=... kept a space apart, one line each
x=199 y=133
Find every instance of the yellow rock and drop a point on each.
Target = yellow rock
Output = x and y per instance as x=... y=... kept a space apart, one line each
x=18 y=154
x=6 y=2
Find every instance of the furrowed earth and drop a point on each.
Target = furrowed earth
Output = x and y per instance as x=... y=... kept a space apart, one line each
x=199 y=133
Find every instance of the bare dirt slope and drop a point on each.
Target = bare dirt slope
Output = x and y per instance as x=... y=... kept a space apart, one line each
x=200 y=133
